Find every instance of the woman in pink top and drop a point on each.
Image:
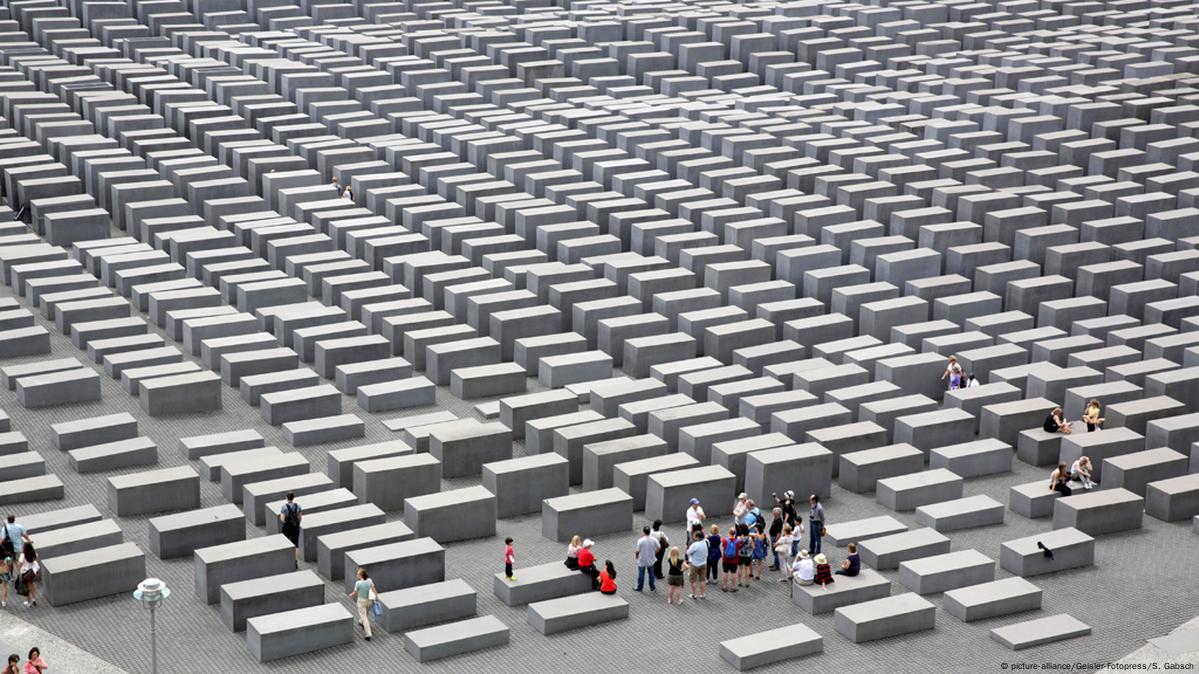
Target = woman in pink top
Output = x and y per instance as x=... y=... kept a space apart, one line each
x=35 y=664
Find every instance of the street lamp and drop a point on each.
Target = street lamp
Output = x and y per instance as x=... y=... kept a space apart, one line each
x=151 y=592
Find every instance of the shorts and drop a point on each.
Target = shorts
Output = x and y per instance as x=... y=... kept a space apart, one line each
x=729 y=567
x=805 y=582
x=292 y=534
x=675 y=581
x=699 y=572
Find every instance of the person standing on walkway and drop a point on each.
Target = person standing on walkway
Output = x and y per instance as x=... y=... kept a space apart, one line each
x=697 y=565
x=28 y=572
x=713 y=555
x=776 y=532
x=740 y=507
x=674 y=577
x=663 y=543
x=509 y=559
x=646 y=554
x=728 y=562
x=13 y=666
x=13 y=538
x=815 y=524
x=364 y=596
x=289 y=522
x=35 y=664
x=782 y=552
x=695 y=517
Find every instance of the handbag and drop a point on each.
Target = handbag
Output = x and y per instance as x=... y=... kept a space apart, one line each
x=823 y=531
x=376 y=608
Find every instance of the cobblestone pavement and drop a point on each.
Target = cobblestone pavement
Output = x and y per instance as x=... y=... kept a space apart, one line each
x=1139 y=588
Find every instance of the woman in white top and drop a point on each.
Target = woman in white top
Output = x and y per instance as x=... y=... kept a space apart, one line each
x=1081 y=470
x=572 y=552
x=29 y=569
x=740 y=507
x=804 y=569
x=782 y=548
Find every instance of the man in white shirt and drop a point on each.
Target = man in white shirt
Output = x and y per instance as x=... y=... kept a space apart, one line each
x=695 y=518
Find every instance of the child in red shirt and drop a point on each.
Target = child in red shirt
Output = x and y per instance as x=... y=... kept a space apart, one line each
x=509 y=559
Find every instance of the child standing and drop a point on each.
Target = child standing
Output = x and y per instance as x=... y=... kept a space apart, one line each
x=509 y=559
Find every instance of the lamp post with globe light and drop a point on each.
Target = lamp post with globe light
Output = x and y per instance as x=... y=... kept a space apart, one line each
x=151 y=592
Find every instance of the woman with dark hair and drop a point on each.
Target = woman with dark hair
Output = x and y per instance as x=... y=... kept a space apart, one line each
x=34 y=664
x=13 y=666
x=607 y=578
x=29 y=570
x=1058 y=480
x=663 y=543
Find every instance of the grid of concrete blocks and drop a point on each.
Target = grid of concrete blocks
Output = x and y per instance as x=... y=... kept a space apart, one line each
x=671 y=249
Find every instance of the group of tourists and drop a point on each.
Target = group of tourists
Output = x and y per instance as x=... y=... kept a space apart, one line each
x=753 y=544
x=20 y=566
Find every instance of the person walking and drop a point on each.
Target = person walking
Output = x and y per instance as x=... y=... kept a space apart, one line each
x=28 y=570
x=289 y=522
x=646 y=554
x=697 y=565
x=713 y=555
x=815 y=524
x=587 y=563
x=509 y=559
x=674 y=578
x=7 y=572
x=13 y=537
x=364 y=597
x=34 y=664
x=607 y=578
x=663 y=544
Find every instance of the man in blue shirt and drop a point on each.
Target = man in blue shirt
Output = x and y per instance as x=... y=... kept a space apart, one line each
x=13 y=537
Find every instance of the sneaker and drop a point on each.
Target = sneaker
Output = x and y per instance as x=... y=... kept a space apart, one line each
x=367 y=638
x=26 y=604
x=511 y=579
x=782 y=580
x=3 y=604
x=691 y=595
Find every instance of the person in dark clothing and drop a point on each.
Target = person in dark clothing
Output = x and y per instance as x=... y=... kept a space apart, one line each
x=776 y=531
x=852 y=564
x=1056 y=423
x=663 y=545
x=714 y=555
x=1059 y=479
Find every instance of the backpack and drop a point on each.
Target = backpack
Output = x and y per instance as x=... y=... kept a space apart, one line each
x=747 y=549
x=730 y=549
x=291 y=514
